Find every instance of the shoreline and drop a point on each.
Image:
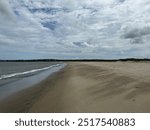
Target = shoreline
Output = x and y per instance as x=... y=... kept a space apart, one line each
x=22 y=80
x=21 y=101
x=87 y=87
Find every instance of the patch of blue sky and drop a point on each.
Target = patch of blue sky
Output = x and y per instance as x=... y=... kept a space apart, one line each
x=52 y=25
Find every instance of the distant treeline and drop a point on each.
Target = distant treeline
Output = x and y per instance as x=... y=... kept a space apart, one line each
x=73 y=60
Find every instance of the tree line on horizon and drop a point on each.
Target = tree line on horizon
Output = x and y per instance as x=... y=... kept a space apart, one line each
x=56 y=60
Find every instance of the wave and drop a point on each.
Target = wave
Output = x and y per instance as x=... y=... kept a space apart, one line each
x=27 y=72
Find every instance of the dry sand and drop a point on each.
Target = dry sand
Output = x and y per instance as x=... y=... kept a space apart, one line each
x=88 y=87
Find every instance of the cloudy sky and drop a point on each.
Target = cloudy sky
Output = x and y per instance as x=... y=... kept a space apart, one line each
x=74 y=29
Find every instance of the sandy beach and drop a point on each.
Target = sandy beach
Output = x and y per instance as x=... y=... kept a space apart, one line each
x=87 y=87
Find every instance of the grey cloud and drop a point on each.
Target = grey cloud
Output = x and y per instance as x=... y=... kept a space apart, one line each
x=5 y=9
x=137 y=32
x=80 y=44
x=75 y=27
x=137 y=40
x=121 y=1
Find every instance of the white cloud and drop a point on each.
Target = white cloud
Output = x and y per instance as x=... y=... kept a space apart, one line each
x=74 y=27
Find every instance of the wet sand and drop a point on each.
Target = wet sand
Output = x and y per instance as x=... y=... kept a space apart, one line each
x=88 y=87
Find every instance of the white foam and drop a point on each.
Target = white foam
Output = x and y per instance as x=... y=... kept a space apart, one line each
x=26 y=72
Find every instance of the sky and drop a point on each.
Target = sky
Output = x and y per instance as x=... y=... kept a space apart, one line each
x=74 y=29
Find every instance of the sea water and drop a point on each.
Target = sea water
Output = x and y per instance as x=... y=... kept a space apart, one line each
x=16 y=76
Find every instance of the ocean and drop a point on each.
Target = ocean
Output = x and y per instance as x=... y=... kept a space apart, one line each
x=16 y=76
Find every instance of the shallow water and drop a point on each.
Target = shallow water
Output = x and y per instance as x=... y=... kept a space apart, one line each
x=16 y=76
